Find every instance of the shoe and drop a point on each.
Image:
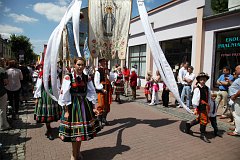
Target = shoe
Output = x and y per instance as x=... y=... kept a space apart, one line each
x=231 y=129
x=151 y=104
x=229 y=121
x=105 y=122
x=187 y=128
x=233 y=134
x=50 y=137
x=179 y=106
x=204 y=138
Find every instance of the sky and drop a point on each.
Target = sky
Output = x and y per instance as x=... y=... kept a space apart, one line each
x=36 y=19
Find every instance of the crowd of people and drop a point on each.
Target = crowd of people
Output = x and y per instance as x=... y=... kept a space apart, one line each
x=15 y=86
x=197 y=96
x=83 y=103
x=85 y=98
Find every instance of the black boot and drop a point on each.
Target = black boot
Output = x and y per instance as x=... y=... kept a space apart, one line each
x=100 y=120
x=106 y=122
x=203 y=131
x=188 y=127
x=49 y=132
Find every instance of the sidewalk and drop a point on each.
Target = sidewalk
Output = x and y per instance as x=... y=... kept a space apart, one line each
x=137 y=131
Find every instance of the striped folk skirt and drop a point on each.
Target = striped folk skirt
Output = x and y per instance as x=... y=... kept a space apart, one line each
x=46 y=109
x=119 y=90
x=81 y=125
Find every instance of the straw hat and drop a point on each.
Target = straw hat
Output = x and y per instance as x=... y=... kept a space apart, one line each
x=202 y=74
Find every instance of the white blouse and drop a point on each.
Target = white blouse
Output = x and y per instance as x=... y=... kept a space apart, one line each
x=65 y=96
x=196 y=97
x=38 y=87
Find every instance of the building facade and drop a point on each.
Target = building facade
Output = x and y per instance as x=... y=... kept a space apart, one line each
x=188 y=30
x=5 y=49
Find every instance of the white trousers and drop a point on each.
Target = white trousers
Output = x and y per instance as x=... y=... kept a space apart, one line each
x=236 y=116
x=155 y=98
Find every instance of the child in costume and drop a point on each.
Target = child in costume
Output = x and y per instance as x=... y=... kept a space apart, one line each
x=200 y=101
x=213 y=114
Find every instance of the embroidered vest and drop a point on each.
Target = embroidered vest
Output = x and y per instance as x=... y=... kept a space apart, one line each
x=78 y=85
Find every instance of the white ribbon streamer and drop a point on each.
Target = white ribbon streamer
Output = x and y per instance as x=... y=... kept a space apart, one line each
x=50 y=59
x=158 y=55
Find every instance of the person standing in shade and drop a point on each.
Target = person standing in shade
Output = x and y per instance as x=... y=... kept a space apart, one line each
x=187 y=86
x=3 y=97
x=234 y=93
x=103 y=89
x=165 y=95
x=200 y=101
x=78 y=98
x=24 y=83
x=13 y=87
x=224 y=82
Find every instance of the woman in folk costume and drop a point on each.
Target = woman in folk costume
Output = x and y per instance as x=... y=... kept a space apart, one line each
x=201 y=99
x=104 y=89
x=119 y=85
x=46 y=109
x=78 y=98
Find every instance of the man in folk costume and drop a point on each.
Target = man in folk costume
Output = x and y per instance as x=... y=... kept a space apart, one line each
x=104 y=90
x=200 y=101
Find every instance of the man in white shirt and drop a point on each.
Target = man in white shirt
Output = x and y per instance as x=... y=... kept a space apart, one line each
x=181 y=73
x=187 y=86
x=234 y=93
x=13 y=87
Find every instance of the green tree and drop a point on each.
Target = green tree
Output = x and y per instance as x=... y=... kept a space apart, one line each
x=219 y=6
x=21 y=45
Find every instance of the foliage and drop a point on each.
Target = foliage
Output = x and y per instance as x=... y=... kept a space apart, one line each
x=21 y=45
x=219 y=6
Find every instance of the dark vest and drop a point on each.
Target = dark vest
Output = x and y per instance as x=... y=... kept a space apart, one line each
x=102 y=74
x=203 y=96
x=78 y=87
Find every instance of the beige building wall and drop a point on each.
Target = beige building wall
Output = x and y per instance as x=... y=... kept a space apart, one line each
x=199 y=42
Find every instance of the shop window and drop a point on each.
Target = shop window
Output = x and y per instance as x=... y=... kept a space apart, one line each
x=177 y=51
x=227 y=51
x=137 y=57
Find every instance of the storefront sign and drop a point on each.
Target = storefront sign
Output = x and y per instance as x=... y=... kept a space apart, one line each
x=230 y=42
x=230 y=54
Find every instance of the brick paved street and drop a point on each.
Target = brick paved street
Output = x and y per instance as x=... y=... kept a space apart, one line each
x=137 y=131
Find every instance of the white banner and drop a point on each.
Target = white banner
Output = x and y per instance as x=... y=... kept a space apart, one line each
x=108 y=27
x=53 y=46
x=158 y=55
